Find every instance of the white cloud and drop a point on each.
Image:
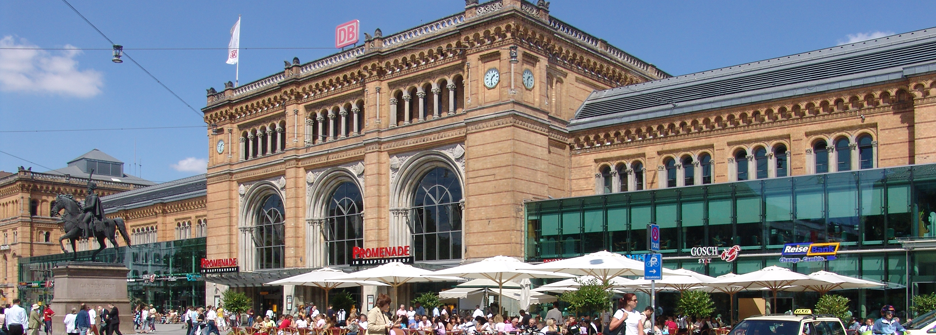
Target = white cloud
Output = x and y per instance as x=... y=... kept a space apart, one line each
x=853 y=38
x=24 y=68
x=191 y=164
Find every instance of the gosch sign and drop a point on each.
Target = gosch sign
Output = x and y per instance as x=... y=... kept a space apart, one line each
x=347 y=33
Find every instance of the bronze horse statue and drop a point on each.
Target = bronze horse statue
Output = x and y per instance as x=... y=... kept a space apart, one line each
x=102 y=230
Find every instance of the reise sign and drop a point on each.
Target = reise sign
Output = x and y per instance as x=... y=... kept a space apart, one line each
x=347 y=33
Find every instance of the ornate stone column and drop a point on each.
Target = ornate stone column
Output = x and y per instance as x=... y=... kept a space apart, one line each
x=250 y=147
x=855 y=160
x=422 y=105
x=310 y=123
x=615 y=181
x=599 y=184
x=355 y=110
x=697 y=172
x=393 y=107
x=243 y=149
x=451 y=88
x=406 y=109
x=771 y=165
x=331 y=125
x=833 y=159
x=435 y=102
x=874 y=154
x=344 y=121
x=261 y=133
x=732 y=169
x=631 y=180
x=321 y=128
x=270 y=144
x=751 y=167
x=680 y=175
x=662 y=177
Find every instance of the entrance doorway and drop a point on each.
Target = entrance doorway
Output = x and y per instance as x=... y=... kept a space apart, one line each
x=270 y=298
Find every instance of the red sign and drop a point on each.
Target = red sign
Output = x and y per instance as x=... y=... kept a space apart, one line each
x=219 y=265
x=362 y=253
x=347 y=33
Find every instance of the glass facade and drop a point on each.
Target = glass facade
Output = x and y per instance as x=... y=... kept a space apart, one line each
x=865 y=210
x=174 y=267
x=345 y=223
x=437 y=216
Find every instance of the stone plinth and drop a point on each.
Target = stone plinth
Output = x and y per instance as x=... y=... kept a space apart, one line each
x=93 y=284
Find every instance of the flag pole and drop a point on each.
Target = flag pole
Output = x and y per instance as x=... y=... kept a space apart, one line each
x=237 y=67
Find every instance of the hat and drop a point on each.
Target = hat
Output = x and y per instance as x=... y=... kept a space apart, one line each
x=35 y=306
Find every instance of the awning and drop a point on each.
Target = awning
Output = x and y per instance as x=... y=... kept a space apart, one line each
x=253 y=279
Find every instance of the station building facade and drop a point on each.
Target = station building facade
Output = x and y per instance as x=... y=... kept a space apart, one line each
x=429 y=138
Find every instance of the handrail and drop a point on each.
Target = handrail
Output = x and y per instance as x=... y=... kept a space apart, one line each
x=593 y=41
x=59 y=179
x=432 y=27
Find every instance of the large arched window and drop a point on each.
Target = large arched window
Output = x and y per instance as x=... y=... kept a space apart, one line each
x=705 y=163
x=606 y=180
x=269 y=235
x=865 y=152
x=688 y=171
x=345 y=223
x=741 y=164
x=760 y=161
x=780 y=155
x=437 y=216
x=670 y=165
x=843 y=154
x=821 y=153
x=638 y=175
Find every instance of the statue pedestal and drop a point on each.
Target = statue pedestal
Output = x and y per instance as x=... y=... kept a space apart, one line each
x=93 y=284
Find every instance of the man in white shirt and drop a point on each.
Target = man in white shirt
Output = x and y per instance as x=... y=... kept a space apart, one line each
x=16 y=315
x=477 y=312
x=212 y=318
x=144 y=314
x=315 y=311
x=435 y=312
x=91 y=315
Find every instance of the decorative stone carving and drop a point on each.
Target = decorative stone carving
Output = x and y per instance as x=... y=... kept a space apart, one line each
x=320 y=118
x=661 y=168
x=458 y=152
x=451 y=87
x=421 y=94
x=241 y=190
x=378 y=33
x=407 y=97
x=281 y=182
x=355 y=110
x=343 y=112
x=310 y=177
x=436 y=90
x=358 y=169
x=750 y=157
x=394 y=162
x=295 y=61
x=730 y=160
x=455 y=152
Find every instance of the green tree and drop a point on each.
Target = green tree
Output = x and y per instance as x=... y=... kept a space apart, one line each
x=342 y=300
x=427 y=300
x=236 y=302
x=835 y=305
x=590 y=297
x=924 y=303
x=696 y=303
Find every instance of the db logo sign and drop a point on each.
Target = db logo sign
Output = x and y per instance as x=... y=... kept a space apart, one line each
x=347 y=34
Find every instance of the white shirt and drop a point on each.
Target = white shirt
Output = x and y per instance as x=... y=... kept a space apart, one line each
x=92 y=314
x=435 y=312
x=631 y=321
x=270 y=314
x=315 y=312
x=70 y=323
x=16 y=315
x=212 y=315
x=144 y=314
x=363 y=325
x=301 y=324
x=477 y=313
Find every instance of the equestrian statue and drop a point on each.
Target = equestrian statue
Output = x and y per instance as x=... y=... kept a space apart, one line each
x=87 y=220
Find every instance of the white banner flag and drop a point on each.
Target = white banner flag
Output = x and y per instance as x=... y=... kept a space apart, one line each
x=234 y=45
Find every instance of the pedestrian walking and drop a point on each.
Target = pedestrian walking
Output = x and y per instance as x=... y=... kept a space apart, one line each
x=47 y=319
x=81 y=320
x=35 y=320
x=15 y=319
x=70 y=326
x=626 y=318
x=113 y=320
x=92 y=317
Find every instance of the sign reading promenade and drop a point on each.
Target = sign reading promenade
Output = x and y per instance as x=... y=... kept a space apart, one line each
x=224 y=265
x=809 y=252
x=378 y=256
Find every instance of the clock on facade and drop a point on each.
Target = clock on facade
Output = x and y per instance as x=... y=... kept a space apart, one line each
x=491 y=78
x=220 y=146
x=528 y=79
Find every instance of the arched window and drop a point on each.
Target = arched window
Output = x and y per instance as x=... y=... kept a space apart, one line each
x=821 y=153
x=638 y=175
x=843 y=154
x=760 y=160
x=670 y=165
x=437 y=216
x=688 y=171
x=344 y=224
x=606 y=180
x=865 y=152
x=269 y=235
x=741 y=164
x=780 y=155
x=622 y=176
x=705 y=163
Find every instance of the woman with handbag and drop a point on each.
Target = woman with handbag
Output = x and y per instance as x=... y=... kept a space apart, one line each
x=626 y=320
x=378 y=322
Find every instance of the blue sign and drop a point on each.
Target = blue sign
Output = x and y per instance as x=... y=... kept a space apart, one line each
x=653 y=267
x=653 y=232
x=809 y=252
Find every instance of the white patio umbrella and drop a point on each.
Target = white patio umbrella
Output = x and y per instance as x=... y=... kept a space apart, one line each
x=773 y=278
x=834 y=281
x=323 y=279
x=602 y=265
x=573 y=284
x=682 y=280
x=724 y=285
x=525 y=293
x=500 y=269
x=396 y=274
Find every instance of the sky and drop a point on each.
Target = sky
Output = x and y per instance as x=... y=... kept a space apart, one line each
x=56 y=71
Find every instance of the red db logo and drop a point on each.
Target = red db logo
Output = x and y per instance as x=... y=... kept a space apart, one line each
x=347 y=33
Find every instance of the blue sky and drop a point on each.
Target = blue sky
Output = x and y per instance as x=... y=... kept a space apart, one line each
x=72 y=84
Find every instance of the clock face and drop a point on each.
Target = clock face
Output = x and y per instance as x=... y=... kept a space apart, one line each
x=528 y=79
x=220 y=146
x=491 y=78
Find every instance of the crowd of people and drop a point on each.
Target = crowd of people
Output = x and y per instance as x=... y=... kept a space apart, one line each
x=83 y=320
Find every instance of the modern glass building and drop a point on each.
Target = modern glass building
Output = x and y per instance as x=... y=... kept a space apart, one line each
x=165 y=274
x=884 y=220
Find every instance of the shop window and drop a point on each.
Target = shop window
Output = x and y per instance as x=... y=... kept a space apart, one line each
x=821 y=154
x=344 y=224
x=843 y=154
x=437 y=216
x=670 y=165
x=638 y=176
x=871 y=193
x=748 y=215
x=720 y=216
x=778 y=206
x=617 y=224
x=666 y=219
x=741 y=165
x=688 y=171
x=592 y=225
x=692 y=209
x=269 y=234
x=810 y=205
x=780 y=156
x=842 y=191
x=705 y=163
x=926 y=206
x=639 y=218
x=898 y=211
x=865 y=152
x=571 y=233
x=549 y=235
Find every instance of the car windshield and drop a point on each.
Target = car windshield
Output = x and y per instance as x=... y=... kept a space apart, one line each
x=766 y=327
x=921 y=321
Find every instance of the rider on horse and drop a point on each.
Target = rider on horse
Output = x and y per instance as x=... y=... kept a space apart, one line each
x=92 y=211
